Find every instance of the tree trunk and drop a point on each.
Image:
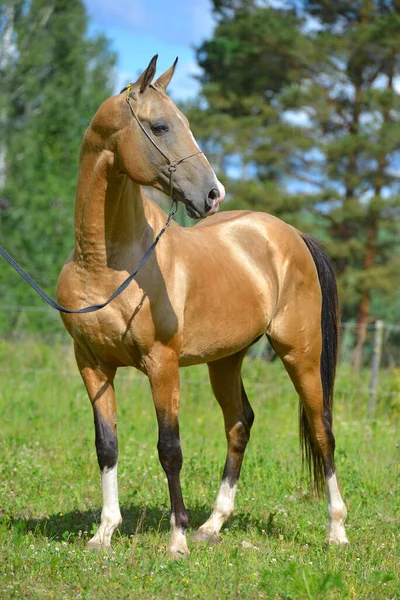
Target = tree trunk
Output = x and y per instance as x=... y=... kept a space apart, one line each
x=365 y=300
x=372 y=242
x=361 y=331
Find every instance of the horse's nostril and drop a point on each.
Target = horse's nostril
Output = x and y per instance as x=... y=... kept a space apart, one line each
x=210 y=200
x=213 y=194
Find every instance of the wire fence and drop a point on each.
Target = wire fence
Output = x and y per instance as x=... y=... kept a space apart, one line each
x=19 y=321
x=380 y=354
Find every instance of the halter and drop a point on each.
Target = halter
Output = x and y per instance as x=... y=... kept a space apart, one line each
x=172 y=165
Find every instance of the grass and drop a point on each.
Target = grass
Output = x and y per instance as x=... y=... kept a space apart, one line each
x=50 y=498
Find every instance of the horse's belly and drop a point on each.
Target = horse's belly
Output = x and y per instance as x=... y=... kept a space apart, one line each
x=222 y=330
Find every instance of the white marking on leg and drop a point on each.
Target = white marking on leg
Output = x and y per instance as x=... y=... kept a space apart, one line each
x=337 y=512
x=177 y=544
x=223 y=508
x=110 y=514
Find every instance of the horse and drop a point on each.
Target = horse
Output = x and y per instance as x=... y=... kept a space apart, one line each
x=205 y=296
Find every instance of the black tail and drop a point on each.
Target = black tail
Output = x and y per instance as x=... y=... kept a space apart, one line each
x=330 y=339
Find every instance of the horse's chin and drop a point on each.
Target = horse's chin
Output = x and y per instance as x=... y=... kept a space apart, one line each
x=194 y=213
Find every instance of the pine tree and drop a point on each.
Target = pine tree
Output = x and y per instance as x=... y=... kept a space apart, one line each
x=306 y=100
x=246 y=65
x=348 y=91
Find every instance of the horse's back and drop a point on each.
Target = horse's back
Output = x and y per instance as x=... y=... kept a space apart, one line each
x=242 y=267
x=260 y=236
x=237 y=216
x=246 y=220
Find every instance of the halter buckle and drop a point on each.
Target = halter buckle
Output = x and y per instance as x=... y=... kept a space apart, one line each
x=172 y=167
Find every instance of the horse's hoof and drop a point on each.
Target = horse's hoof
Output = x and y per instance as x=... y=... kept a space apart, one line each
x=204 y=536
x=98 y=546
x=176 y=554
x=343 y=541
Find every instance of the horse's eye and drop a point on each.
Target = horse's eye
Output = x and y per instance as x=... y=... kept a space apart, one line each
x=159 y=128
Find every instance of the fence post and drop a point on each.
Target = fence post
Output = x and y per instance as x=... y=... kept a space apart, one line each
x=376 y=359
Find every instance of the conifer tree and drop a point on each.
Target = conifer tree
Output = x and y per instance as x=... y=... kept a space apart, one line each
x=246 y=65
x=348 y=92
x=305 y=100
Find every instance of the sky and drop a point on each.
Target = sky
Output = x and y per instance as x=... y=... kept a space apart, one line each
x=138 y=29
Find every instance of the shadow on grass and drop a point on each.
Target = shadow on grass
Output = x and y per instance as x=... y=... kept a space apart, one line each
x=138 y=519
x=69 y=526
x=135 y=519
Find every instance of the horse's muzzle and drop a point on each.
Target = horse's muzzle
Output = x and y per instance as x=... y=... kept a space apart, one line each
x=209 y=206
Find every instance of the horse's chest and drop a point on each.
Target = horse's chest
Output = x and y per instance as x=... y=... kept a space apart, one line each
x=126 y=330
x=113 y=337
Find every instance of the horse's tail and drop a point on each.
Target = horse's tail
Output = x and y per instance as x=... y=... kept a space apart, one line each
x=330 y=339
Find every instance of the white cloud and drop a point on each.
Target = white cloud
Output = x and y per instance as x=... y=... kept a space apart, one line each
x=138 y=29
x=179 y=21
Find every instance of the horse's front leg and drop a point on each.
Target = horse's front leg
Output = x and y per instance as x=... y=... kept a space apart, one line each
x=164 y=381
x=99 y=384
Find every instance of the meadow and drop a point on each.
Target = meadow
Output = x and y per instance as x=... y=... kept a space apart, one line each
x=275 y=544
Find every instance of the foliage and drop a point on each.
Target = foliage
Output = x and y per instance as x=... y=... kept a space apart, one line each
x=299 y=111
x=353 y=119
x=305 y=110
x=50 y=490
x=55 y=77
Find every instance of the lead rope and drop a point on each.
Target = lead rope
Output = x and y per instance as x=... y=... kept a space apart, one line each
x=118 y=291
x=172 y=165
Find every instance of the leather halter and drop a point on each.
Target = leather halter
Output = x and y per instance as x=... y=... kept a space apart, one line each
x=172 y=165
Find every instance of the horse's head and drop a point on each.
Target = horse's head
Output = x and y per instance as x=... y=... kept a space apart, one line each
x=152 y=139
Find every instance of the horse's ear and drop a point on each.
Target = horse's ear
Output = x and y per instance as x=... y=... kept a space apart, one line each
x=166 y=77
x=147 y=76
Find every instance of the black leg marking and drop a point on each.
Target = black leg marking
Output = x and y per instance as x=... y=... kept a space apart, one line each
x=106 y=442
x=329 y=462
x=237 y=442
x=170 y=454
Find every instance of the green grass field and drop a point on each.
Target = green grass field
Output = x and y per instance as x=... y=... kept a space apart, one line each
x=50 y=490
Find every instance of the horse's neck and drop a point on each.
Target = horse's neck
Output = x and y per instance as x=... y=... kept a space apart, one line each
x=111 y=211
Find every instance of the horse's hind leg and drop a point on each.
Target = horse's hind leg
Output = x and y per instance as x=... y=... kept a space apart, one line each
x=297 y=341
x=226 y=381
x=99 y=385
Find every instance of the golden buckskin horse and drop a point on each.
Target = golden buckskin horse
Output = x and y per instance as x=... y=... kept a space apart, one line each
x=205 y=296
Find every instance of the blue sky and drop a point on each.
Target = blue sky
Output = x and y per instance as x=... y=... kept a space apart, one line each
x=138 y=29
